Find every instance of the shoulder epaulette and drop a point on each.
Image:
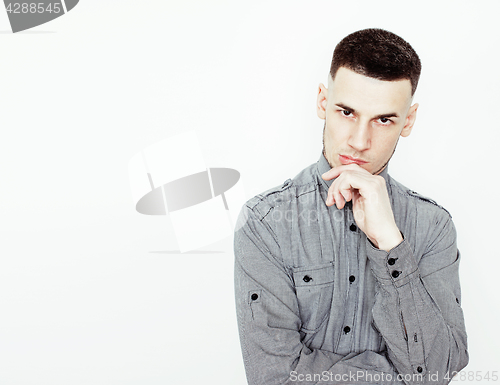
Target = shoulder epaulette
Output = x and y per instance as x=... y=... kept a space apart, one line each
x=426 y=199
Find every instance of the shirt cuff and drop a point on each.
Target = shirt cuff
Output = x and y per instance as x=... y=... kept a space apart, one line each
x=395 y=267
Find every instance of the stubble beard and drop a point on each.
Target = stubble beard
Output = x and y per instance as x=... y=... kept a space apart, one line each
x=374 y=173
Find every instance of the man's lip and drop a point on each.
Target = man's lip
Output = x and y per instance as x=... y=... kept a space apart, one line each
x=344 y=159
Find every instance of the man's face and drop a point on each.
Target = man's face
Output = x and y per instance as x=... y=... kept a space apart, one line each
x=364 y=118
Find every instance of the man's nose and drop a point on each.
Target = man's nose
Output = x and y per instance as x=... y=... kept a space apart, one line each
x=360 y=137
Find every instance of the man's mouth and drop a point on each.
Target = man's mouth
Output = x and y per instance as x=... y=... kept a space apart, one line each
x=345 y=159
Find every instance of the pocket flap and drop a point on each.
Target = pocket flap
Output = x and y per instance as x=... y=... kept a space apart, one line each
x=313 y=276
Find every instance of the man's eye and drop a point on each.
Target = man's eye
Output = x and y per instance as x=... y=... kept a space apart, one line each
x=384 y=120
x=346 y=113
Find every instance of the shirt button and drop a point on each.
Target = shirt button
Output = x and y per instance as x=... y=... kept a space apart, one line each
x=306 y=278
x=419 y=369
x=347 y=329
x=254 y=297
x=352 y=278
x=391 y=261
x=395 y=274
x=352 y=227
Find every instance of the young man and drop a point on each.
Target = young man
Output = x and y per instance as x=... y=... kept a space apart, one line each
x=342 y=274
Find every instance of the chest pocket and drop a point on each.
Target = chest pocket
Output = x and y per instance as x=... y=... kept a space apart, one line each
x=314 y=287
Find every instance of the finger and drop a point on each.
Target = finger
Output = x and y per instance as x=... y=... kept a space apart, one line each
x=345 y=190
x=343 y=186
x=353 y=180
x=355 y=196
x=335 y=190
x=347 y=194
x=347 y=184
x=330 y=200
x=336 y=171
x=339 y=199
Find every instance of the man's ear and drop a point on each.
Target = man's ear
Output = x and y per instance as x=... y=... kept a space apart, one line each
x=322 y=101
x=410 y=121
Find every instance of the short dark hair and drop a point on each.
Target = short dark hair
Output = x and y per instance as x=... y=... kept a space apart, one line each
x=378 y=54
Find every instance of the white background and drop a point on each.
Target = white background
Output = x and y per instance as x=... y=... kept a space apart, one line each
x=91 y=292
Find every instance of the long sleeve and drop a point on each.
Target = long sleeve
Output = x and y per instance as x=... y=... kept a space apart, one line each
x=417 y=306
x=270 y=325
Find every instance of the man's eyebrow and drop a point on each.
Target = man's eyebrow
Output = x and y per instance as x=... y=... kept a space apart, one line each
x=388 y=115
x=346 y=107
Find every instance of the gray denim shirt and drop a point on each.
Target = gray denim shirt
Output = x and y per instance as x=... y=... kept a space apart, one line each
x=317 y=303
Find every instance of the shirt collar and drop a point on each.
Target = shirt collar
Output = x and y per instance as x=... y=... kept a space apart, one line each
x=323 y=166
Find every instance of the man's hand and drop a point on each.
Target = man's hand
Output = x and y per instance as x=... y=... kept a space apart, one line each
x=370 y=203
